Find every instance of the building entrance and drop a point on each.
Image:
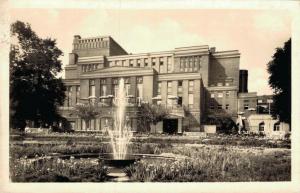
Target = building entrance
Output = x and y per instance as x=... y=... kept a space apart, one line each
x=170 y=126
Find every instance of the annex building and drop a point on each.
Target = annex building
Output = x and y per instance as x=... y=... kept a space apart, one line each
x=193 y=82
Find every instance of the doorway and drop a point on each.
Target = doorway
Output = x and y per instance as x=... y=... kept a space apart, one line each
x=170 y=126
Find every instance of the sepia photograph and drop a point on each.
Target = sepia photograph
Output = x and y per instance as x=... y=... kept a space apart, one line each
x=136 y=93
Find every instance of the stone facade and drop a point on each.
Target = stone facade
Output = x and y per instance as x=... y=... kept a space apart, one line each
x=191 y=81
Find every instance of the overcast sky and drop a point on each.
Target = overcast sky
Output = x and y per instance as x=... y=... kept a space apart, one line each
x=255 y=33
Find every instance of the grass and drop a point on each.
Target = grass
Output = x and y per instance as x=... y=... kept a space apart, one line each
x=213 y=165
x=57 y=170
x=216 y=158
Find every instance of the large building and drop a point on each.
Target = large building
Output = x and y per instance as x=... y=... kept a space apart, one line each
x=193 y=82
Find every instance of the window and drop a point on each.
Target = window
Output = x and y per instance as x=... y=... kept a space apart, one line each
x=146 y=62
x=191 y=64
x=179 y=101
x=169 y=101
x=158 y=88
x=153 y=61
x=261 y=126
x=169 y=85
x=191 y=86
x=77 y=94
x=123 y=62
x=191 y=100
x=161 y=61
x=139 y=87
x=220 y=94
x=259 y=101
x=227 y=93
x=212 y=95
x=131 y=63
x=169 y=65
x=276 y=126
x=227 y=106
x=246 y=106
x=69 y=96
x=212 y=106
x=92 y=88
x=227 y=84
x=219 y=106
x=139 y=80
x=179 y=88
x=138 y=63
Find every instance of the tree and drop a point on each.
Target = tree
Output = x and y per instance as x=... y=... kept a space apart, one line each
x=280 y=81
x=87 y=112
x=35 y=91
x=150 y=115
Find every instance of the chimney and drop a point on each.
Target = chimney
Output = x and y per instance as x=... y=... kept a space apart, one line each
x=212 y=50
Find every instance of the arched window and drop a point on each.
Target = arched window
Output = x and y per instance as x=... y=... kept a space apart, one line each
x=276 y=126
x=261 y=126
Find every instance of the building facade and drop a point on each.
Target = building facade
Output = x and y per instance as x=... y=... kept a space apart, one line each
x=192 y=82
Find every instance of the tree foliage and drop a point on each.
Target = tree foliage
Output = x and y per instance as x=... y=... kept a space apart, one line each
x=87 y=112
x=151 y=114
x=280 y=81
x=35 y=92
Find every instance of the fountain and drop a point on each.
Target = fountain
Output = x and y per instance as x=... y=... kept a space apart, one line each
x=120 y=134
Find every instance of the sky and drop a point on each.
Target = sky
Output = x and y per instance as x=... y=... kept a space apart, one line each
x=256 y=33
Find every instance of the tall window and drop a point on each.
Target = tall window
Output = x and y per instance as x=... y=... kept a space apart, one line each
x=191 y=86
x=69 y=96
x=139 y=81
x=169 y=64
x=227 y=93
x=191 y=100
x=138 y=63
x=158 y=88
x=169 y=85
x=92 y=88
x=261 y=126
x=220 y=94
x=115 y=82
x=131 y=63
x=153 y=61
x=127 y=86
x=103 y=87
x=77 y=94
x=146 y=62
x=179 y=88
x=161 y=61
x=227 y=106
x=276 y=126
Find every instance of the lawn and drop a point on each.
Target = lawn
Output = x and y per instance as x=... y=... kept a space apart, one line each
x=214 y=159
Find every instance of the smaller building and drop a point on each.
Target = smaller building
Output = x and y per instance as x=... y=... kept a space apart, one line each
x=266 y=124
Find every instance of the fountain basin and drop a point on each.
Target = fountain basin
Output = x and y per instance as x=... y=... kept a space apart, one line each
x=118 y=163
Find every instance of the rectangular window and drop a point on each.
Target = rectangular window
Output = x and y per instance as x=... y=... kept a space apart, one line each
x=169 y=101
x=179 y=86
x=227 y=93
x=219 y=106
x=153 y=61
x=127 y=89
x=212 y=106
x=246 y=106
x=179 y=101
x=191 y=100
x=227 y=106
x=158 y=88
x=169 y=85
x=138 y=63
x=220 y=94
x=146 y=62
x=259 y=101
x=169 y=65
x=139 y=80
x=212 y=95
x=161 y=61
x=92 y=88
x=191 y=86
x=103 y=90
x=69 y=96
x=77 y=94
x=123 y=62
x=131 y=63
